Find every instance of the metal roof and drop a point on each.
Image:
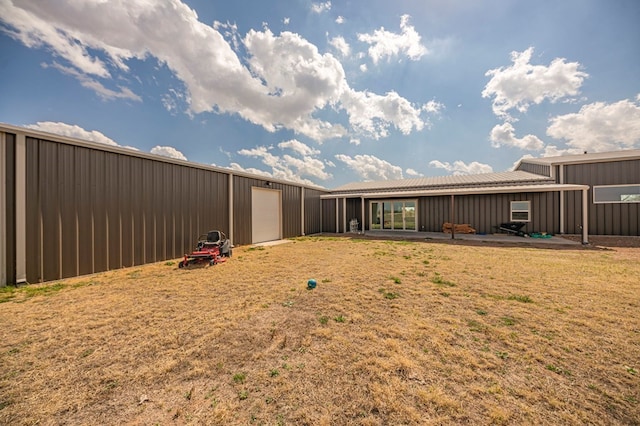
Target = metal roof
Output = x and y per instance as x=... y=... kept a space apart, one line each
x=507 y=189
x=424 y=183
x=594 y=157
x=39 y=134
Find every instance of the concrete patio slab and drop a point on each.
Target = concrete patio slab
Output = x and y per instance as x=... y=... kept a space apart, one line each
x=490 y=238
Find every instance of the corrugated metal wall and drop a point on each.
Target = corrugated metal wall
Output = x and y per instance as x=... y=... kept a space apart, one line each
x=539 y=169
x=485 y=211
x=329 y=215
x=312 y=211
x=354 y=211
x=10 y=211
x=433 y=212
x=604 y=219
x=90 y=210
x=291 y=207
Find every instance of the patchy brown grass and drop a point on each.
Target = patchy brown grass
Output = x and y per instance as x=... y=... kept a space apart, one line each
x=395 y=333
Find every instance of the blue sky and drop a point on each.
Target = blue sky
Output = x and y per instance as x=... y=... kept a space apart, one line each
x=328 y=93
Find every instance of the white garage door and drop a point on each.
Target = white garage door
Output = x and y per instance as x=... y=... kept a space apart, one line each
x=265 y=215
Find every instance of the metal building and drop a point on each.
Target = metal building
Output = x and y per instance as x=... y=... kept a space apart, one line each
x=71 y=207
x=597 y=194
x=613 y=179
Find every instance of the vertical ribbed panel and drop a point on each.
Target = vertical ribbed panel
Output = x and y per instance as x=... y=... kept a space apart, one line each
x=354 y=210
x=312 y=211
x=604 y=219
x=329 y=215
x=90 y=210
x=9 y=227
x=291 y=207
x=539 y=169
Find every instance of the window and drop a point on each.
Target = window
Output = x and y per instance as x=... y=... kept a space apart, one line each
x=520 y=211
x=375 y=216
x=616 y=194
x=393 y=215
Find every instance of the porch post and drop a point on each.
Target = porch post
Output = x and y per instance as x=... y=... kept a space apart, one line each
x=344 y=214
x=363 y=213
x=453 y=225
x=21 y=208
x=585 y=216
x=302 y=210
x=561 y=180
x=231 y=209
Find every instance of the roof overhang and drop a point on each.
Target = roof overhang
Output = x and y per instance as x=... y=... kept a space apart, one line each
x=590 y=158
x=555 y=187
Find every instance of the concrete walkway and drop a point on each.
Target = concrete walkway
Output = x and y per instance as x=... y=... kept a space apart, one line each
x=489 y=238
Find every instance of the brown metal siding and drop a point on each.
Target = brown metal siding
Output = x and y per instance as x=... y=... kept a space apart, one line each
x=539 y=169
x=485 y=212
x=84 y=225
x=242 y=209
x=604 y=219
x=354 y=211
x=291 y=209
x=33 y=218
x=329 y=214
x=433 y=212
x=67 y=206
x=10 y=206
x=312 y=211
x=90 y=210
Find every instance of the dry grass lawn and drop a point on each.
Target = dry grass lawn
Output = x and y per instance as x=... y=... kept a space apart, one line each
x=394 y=333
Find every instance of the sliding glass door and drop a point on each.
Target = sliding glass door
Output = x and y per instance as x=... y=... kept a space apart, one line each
x=397 y=215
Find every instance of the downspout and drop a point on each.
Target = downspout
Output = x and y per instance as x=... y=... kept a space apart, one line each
x=585 y=216
x=321 y=208
x=363 y=211
x=21 y=208
x=231 y=209
x=337 y=217
x=562 y=213
x=302 y=210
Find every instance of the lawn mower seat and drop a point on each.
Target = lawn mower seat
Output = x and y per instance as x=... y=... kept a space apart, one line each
x=215 y=239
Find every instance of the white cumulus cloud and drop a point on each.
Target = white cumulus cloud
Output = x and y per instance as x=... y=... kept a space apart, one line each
x=522 y=84
x=168 y=151
x=600 y=127
x=251 y=170
x=371 y=168
x=299 y=147
x=461 y=168
x=412 y=172
x=372 y=115
x=504 y=135
x=385 y=44
x=274 y=81
x=72 y=131
x=320 y=7
x=341 y=45
x=287 y=167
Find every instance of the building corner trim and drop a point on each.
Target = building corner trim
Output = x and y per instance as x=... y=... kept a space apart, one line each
x=21 y=208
